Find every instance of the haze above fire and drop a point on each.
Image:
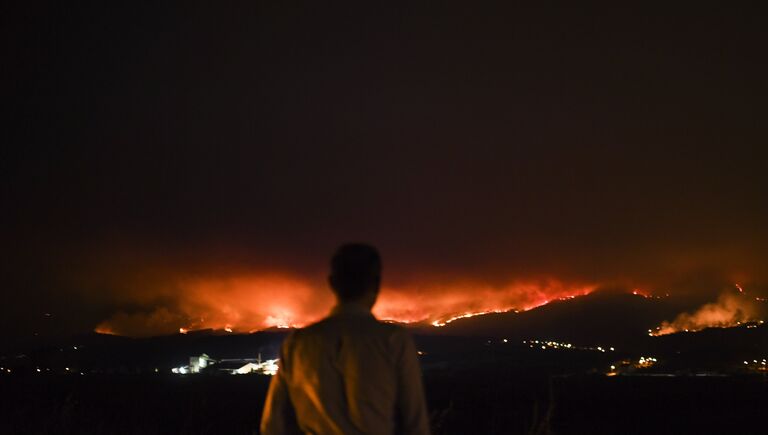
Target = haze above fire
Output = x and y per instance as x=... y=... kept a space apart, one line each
x=497 y=156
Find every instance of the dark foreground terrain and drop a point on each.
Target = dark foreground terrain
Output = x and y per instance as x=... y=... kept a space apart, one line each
x=700 y=384
x=488 y=401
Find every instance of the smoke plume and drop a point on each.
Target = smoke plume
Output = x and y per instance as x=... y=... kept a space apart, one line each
x=730 y=309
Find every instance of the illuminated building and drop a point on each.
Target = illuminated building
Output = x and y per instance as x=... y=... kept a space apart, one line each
x=232 y=366
x=197 y=363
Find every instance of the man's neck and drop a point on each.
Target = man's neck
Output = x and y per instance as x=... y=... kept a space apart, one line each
x=351 y=308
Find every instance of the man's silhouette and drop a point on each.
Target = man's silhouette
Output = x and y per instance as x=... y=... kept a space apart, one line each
x=349 y=373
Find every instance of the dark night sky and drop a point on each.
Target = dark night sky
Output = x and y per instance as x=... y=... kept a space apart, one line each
x=483 y=144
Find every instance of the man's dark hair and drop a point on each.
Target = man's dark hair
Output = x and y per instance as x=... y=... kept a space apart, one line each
x=355 y=269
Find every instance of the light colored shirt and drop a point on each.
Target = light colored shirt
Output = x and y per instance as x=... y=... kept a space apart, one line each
x=347 y=374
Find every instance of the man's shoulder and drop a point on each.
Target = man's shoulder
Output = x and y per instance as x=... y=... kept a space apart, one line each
x=316 y=329
x=395 y=334
x=392 y=327
x=298 y=338
x=310 y=329
x=364 y=325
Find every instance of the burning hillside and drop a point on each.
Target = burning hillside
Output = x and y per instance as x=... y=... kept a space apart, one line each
x=255 y=303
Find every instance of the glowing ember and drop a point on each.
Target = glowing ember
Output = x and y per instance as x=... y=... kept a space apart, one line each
x=104 y=329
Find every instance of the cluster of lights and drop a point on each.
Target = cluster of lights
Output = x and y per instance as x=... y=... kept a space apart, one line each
x=637 y=292
x=267 y=367
x=39 y=370
x=759 y=365
x=613 y=371
x=548 y=344
x=643 y=362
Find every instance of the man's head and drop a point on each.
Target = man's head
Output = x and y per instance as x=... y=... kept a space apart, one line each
x=356 y=273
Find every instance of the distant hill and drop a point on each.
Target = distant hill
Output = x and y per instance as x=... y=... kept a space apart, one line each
x=607 y=318
x=621 y=320
x=715 y=346
x=604 y=318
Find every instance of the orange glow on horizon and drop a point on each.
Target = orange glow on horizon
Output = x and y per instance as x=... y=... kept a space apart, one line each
x=277 y=301
x=104 y=329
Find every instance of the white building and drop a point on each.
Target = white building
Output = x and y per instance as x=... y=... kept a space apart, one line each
x=197 y=363
x=234 y=366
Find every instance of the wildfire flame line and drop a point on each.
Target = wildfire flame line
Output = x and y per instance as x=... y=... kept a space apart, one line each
x=441 y=323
